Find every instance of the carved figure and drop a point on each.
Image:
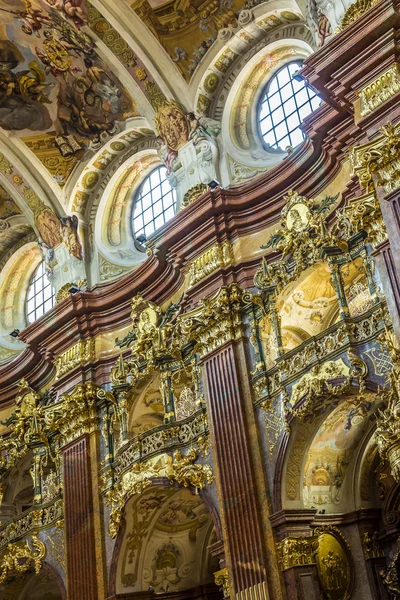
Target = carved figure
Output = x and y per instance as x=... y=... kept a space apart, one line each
x=69 y=233
x=172 y=125
x=49 y=227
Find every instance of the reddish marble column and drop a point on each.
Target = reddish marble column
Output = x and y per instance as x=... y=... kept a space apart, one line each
x=79 y=521
x=234 y=469
x=389 y=276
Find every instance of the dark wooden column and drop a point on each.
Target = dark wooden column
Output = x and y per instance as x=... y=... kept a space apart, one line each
x=236 y=480
x=79 y=521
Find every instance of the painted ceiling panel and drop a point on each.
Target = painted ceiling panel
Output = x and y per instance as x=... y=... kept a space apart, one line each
x=55 y=91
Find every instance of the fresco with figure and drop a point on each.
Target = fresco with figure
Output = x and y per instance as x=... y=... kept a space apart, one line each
x=332 y=450
x=188 y=30
x=53 y=83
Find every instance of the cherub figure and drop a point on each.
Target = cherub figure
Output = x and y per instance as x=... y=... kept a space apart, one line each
x=72 y=9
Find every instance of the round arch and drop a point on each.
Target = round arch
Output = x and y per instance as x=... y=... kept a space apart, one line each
x=165 y=530
x=14 y=282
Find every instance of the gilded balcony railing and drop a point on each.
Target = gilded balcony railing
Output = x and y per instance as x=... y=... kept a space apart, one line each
x=350 y=332
x=36 y=518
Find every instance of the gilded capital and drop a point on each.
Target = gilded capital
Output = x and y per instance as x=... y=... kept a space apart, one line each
x=379 y=161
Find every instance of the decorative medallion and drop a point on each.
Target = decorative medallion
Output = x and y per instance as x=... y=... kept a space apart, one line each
x=211 y=83
x=333 y=564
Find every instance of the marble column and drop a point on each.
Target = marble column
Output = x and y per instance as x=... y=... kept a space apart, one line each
x=79 y=521
x=230 y=410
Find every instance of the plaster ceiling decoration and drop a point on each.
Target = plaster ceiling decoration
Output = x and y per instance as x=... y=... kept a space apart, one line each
x=187 y=29
x=13 y=224
x=56 y=93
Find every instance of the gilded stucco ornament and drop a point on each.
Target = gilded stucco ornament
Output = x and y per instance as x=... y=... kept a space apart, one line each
x=388 y=418
x=294 y=552
x=371 y=546
x=301 y=235
x=79 y=354
x=133 y=482
x=318 y=393
x=216 y=257
x=215 y=320
x=29 y=426
x=386 y=85
x=77 y=413
x=193 y=193
x=378 y=162
x=149 y=340
x=390 y=576
x=183 y=470
x=222 y=581
x=20 y=558
x=334 y=563
x=355 y=11
x=362 y=214
x=64 y=292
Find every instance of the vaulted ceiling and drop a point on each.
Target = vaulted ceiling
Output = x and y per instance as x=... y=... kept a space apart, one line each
x=74 y=74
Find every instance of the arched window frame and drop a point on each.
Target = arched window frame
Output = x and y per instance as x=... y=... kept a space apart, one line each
x=168 y=208
x=313 y=102
x=40 y=296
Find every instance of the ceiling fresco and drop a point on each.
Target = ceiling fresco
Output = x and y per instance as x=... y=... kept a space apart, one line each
x=188 y=29
x=55 y=91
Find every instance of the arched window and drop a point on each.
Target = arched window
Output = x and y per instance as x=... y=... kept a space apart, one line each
x=40 y=295
x=155 y=203
x=285 y=104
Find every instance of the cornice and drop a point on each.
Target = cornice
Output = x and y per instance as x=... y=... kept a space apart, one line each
x=216 y=216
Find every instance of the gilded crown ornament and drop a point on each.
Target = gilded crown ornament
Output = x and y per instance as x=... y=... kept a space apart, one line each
x=302 y=233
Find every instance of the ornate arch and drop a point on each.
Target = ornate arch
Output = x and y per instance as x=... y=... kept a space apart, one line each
x=160 y=494
x=14 y=281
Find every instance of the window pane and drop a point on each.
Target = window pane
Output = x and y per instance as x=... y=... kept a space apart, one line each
x=40 y=297
x=154 y=198
x=286 y=103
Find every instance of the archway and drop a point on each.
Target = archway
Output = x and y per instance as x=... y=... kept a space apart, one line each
x=47 y=584
x=164 y=547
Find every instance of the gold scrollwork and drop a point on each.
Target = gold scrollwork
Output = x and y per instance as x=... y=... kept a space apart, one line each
x=216 y=257
x=19 y=558
x=379 y=157
x=294 y=552
x=355 y=11
x=79 y=354
x=133 y=482
x=386 y=85
x=183 y=470
x=222 y=581
x=388 y=417
x=193 y=193
x=302 y=233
